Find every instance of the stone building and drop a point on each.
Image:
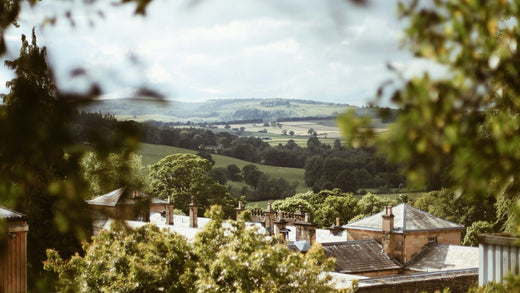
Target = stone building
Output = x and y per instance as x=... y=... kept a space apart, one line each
x=13 y=252
x=404 y=231
x=127 y=204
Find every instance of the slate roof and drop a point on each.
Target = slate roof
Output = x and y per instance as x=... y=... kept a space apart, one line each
x=115 y=198
x=444 y=257
x=407 y=219
x=360 y=256
x=10 y=215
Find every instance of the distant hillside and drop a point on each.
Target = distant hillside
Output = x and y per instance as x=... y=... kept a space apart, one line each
x=217 y=110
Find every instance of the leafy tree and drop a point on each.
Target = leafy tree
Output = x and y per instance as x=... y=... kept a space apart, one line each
x=124 y=260
x=223 y=258
x=344 y=207
x=476 y=228
x=106 y=173
x=313 y=169
x=370 y=204
x=291 y=133
x=233 y=173
x=36 y=176
x=251 y=174
x=241 y=260
x=219 y=175
x=184 y=175
x=206 y=155
x=468 y=117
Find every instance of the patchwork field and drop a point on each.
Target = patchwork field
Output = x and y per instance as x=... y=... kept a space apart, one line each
x=153 y=153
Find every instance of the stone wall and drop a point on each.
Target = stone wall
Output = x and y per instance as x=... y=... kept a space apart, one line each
x=457 y=281
x=416 y=241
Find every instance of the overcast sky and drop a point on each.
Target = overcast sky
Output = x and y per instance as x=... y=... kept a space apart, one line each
x=308 y=49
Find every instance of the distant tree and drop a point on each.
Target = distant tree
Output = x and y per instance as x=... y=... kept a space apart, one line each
x=311 y=132
x=291 y=133
x=346 y=181
x=251 y=174
x=233 y=173
x=242 y=128
x=219 y=175
x=313 y=170
x=227 y=126
x=106 y=173
x=284 y=132
x=206 y=155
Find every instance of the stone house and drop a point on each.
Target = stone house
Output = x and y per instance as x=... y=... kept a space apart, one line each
x=404 y=231
x=13 y=252
x=127 y=204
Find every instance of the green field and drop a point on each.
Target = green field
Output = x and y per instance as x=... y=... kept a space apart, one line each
x=153 y=153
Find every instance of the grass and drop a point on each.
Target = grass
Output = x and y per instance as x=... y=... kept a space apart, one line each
x=153 y=153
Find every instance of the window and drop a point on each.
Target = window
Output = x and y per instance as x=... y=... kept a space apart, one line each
x=432 y=239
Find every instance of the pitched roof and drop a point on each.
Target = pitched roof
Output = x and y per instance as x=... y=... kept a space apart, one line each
x=359 y=256
x=443 y=257
x=407 y=219
x=115 y=198
x=10 y=215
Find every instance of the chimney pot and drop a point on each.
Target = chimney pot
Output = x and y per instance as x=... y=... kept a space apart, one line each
x=300 y=209
x=337 y=221
x=307 y=217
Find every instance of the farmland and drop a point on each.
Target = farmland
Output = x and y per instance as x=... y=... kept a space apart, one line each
x=153 y=153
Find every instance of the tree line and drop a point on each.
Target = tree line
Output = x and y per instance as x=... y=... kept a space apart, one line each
x=326 y=166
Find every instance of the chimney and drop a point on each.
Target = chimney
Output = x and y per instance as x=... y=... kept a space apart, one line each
x=269 y=219
x=239 y=209
x=336 y=229
x=388 y=220
x=193 y=213
x=388 y=227
x=306 y=230
x=299 y=215
x=281 y=228
x=169 y=211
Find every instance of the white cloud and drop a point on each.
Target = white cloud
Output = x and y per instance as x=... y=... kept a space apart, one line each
x=322 y=50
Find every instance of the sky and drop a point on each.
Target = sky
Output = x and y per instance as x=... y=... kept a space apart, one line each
x=323 y=50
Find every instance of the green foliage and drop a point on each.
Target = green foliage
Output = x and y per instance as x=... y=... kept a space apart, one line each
x=225 y=257
x=370 y=204
x=464 y=210
x=233 y=172
x=469 y=117
x=36 y=176
x=104 y=173
x=184 y=175
x=123 y=260
x=324 y=206
x=251 y=174
x=476 y=228
x=511 y=283
x=237 y=259
x=344 y=207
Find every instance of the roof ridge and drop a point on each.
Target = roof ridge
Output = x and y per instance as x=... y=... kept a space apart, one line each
x=424 y=212
x=404 y=216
